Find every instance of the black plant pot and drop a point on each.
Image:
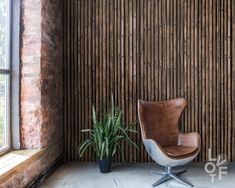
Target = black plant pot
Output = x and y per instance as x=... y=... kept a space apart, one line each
x=105 y=165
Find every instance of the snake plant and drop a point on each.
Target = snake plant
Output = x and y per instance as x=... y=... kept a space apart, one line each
x=108 y=134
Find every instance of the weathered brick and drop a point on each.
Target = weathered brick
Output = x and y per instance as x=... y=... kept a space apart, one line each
x=41 y=85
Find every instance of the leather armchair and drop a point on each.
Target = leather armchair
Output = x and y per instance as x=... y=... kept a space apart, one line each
x=167 y=146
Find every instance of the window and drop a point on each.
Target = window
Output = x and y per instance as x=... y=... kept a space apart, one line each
x=4 y=75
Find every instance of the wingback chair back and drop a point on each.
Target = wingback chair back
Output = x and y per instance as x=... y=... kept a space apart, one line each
x=160 y=120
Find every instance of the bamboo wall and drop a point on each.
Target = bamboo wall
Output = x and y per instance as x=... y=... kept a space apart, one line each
x=151 y=50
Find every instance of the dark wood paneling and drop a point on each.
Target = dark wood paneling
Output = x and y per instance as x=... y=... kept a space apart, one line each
x=151 y=50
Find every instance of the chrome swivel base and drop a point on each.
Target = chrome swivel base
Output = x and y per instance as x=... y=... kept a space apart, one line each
x=169 y=174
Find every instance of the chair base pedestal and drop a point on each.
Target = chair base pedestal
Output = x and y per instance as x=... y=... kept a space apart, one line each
x=169 y=174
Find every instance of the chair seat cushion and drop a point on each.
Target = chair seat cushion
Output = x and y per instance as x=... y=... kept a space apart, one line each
x=180 y=151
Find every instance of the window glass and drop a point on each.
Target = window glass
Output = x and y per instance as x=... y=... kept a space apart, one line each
x=4 y=111
x=4 y=75
x=3 y=34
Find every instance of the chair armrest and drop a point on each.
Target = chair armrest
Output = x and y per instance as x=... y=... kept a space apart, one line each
x=189 y=139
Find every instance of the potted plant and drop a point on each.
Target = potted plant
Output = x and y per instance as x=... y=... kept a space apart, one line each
x=107 y=136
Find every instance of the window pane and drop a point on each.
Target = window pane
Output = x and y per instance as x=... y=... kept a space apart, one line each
x=3 y=34
x=4 y=93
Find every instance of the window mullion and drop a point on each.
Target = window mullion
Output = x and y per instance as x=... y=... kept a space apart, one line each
x=5 y=71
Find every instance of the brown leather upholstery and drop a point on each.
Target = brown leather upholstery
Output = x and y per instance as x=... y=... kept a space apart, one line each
x=160 y=122
x=178 y=151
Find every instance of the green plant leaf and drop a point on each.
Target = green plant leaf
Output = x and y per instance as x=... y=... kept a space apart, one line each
x=86 y=130
x=84 y=146
x=102 y=151
x=107 y=147
x=112 y=105
x=94 y=115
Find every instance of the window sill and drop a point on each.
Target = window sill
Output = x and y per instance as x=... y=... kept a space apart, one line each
x=16 y=161
x=4 y=151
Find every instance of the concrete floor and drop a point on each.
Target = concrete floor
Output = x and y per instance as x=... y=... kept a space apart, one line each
x=87 y=175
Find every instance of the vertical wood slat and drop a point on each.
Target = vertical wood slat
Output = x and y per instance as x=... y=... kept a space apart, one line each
x=233 y=78
x=65 y=39
x=150 y=50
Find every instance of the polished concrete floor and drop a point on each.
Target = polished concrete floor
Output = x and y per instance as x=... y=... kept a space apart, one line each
x=138 y=175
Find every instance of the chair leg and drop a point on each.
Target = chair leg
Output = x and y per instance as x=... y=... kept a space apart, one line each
x=178 y=172
x=180 y=180
x=156 y=172
x=164 y=178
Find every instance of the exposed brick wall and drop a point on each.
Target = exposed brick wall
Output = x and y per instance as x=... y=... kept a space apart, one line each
x=41 y=85
x=31 y=109
x=51 y=71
